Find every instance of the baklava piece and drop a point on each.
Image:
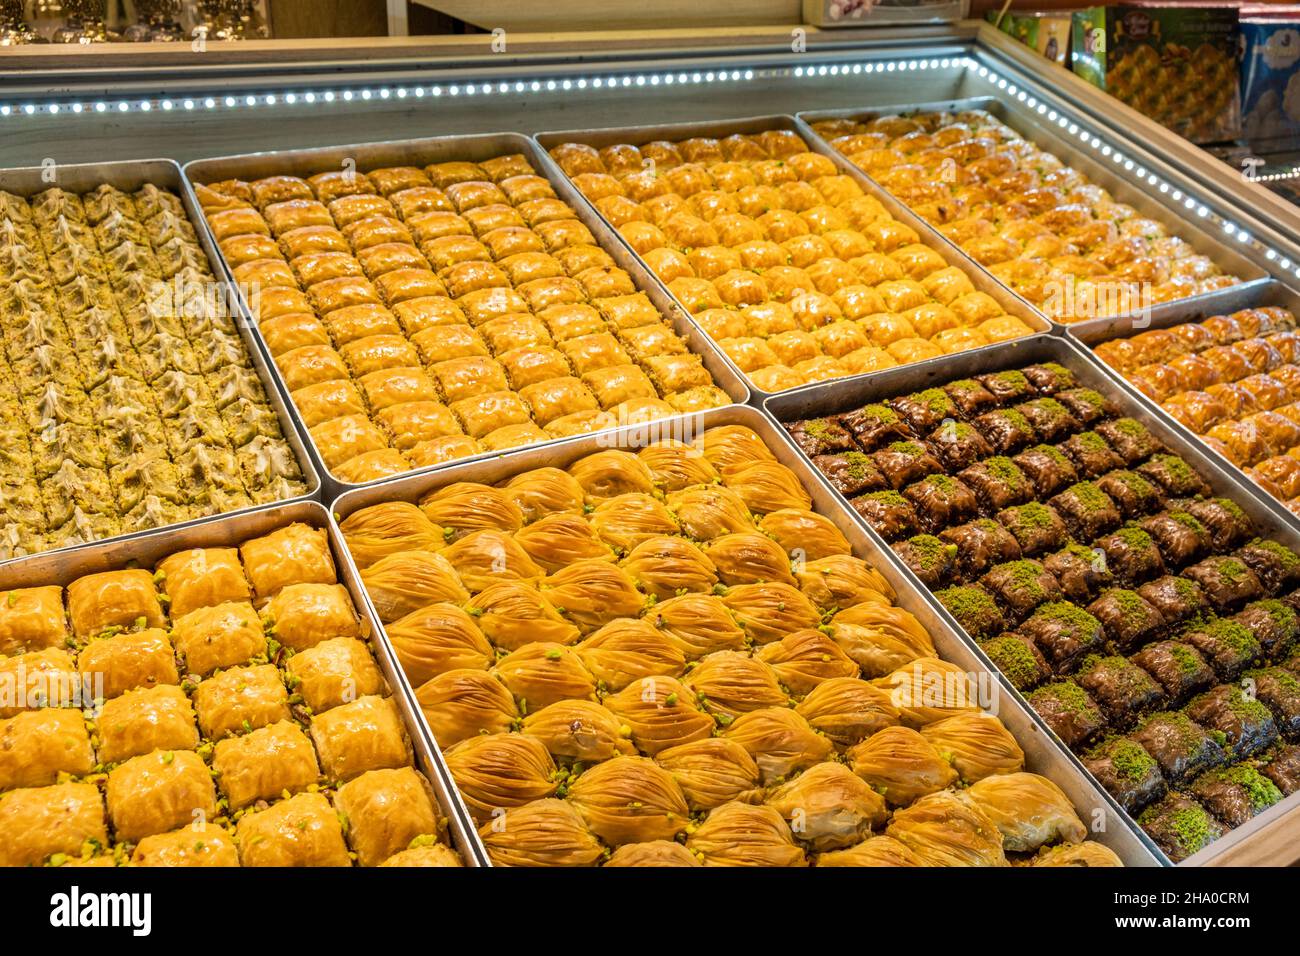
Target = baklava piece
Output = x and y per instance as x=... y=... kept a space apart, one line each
x=821 y=436
x=925 y=411
x=1048 y=468
x=903 y=462
x=1182 y=747
x=1130 y=621
x=1127 y=772
x=1276 y=566
x=970 y=397
x=1069 y=712
x=1007 y=387
x=981 y=544
x=974 y=609
x=1091 y=455
x=1021 y=586
x=1087 y=510
x=1131 y=555
x=1174 y=475
x=1227 y=645
x=1179 y=668
x=1016 y=656
x=875 y=426
x=958 y=445
x=1124 y=690
x=940 y=502
x=851 y=472
x=1087 y=405
x=1180 y=826
x=1227 y=581
x=930 y=559
x=1036 y=527
x=1177 y=599
x=1180 y=536
x=1273 y=624
x=1282 y=766
x=1245 y=724
x=1049 y=378
x=1065 y=634
x=1081 y=571
x=888 y=513
x=1132 y=493
x=1227 y=524
x=1279 y=690
x=1005 y=429
x=1130 y=439
x=998 y=484
x=1050 y=419
x=1237 y=794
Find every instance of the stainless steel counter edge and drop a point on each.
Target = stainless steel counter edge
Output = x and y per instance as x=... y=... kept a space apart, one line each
x=230 y=531
x=473 y=148
x=1027 y=123
x=815 y=401
x=929 y=236
x=129 y=176
x=1043 y=754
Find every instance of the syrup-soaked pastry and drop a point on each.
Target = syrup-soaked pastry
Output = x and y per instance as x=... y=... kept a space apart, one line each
x=1174 y=475
x=1081 y=571
x=1069 y=711
x=1017 y=657
x=1226 y=581
x=1131 y=555
x=1245 y=723
x=1235 y=794
x=1223 y=518
x=958 y=445
x=1122 y=689
x=1005 y=429
x=1087 y=405
x=1091 y=454
x=1130 y=439
x=1228 y=645
x=1048 y=468
x=888 y=513
x=1180 y=826
x=1130 y=621
x=1181 y=537
x=1037 y=528
x=904 y=462
x=1064 y=634
x=971 y=398
x=1275 y=625
x=1133 y=494
x=851 y=473
x=1182 y=746
x=925 y=411
x=974 y=609
x=998 y=483
x=1021 y=586
x=940 y=501
x=821 y=436
x=1049 y=418
x=1279 y=690
x=1049 y=378
x=1177 y=599
x=930 y=559
x=1282 y=766
x=981 y=544
x=1086 y=510
x=875 y=426
x=1128 y=772
x=1007 y=387
x=1179 y=668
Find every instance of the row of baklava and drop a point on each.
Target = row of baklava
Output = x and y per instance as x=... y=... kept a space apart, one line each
x=134 y=403
x=1041 y=227
x=796 y=272
x=1097 y=572
x=664 y=657
x=222 y=710
x=423 y=315
x=1234 y=380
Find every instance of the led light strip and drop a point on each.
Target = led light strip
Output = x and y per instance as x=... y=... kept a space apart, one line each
x=652 y=80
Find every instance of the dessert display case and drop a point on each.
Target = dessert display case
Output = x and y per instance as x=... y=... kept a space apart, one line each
x=257 y=128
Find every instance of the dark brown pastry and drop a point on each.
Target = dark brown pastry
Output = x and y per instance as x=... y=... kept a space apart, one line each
x=1276 y=565
x=1180 y=826
x=1133 y=494
x=1006 y=429
x=1282 y=766
x=924 y=411
x=1020 y=586
x=1181 y=746
x=851 y=472
x=1037 y=528
x=1227 y=645
x=1049 y=377
x=875 y=426
x=1069 y=711
x=1081 y=571
x=888 y=513
x=1227 y=524
x=1016 y=656
x=1091 y=455
x=940 y=502
x=1007 y=387
x=1179 y=668
x=1227 y=581
x=1279 y=690
x=821 y=436
x=1175 y=476
x=931 y=560
x=1048 y=468
x=970 y=397
x=958 y=445
x=903 y=462
x=997 y=484
x=1132 y=555
x=1236 y=794
x=1050 y=419
x=974 y=609
x=1124 y=690
x=1130 y=439
x=1086 y=404
x=1180 y=536
x=1177 y=599
x=1273 y=624
x=981 y=544
x=1065 y=634
x=1128 y=772
x=1129 y=621
x=1246 y=724
x=1086 y=510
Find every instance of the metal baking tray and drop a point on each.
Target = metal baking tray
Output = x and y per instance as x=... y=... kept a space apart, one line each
x=166 y=174
x=1271 y=518
x=422 y=152
x=929 y=236
x=1042 y=754
x=1050 y=137
x=230 y=531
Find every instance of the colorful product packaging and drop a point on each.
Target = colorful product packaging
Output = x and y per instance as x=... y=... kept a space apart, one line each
x=1176 y=64
x=1047 y=31
x=1270 y=77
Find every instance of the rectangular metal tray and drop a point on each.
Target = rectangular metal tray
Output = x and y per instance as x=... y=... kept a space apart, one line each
x=1271 y=519
x=929 y=236
x=165 y=173
x=229 y=531
x=1033 y=126
x=421 y=152
x=1042 y=754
